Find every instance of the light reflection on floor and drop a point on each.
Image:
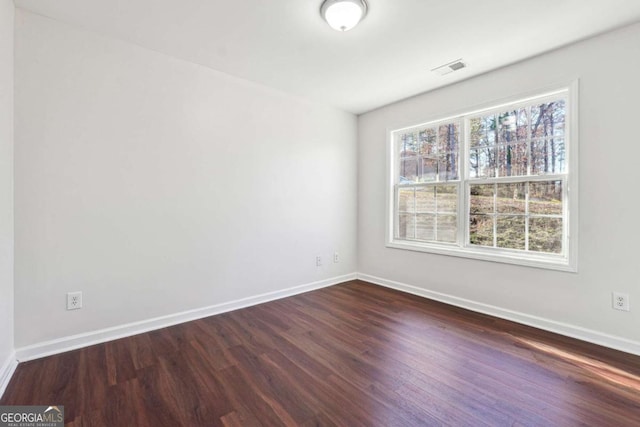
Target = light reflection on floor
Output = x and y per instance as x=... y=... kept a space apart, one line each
x=597 y=367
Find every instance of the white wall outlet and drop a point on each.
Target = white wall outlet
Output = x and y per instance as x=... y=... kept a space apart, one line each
x=74 y=300
x=318 y=261
x=621 y=301
x=336 y=257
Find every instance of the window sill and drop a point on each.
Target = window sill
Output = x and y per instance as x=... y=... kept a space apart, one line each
x=548 y=262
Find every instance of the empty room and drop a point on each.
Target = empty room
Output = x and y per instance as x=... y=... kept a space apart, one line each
x=319 y=213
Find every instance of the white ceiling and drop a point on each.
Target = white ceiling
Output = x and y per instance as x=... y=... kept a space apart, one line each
x=286 y=45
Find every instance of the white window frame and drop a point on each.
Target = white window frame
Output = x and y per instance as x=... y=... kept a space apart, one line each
x=567 y=261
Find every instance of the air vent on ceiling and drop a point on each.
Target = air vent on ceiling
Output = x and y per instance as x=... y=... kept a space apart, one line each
x=450 y=67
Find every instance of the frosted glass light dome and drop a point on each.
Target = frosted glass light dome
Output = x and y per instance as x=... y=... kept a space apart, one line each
x=343 y=15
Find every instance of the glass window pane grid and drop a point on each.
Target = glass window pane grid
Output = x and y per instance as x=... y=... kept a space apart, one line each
x=485 y=150
x=496 y=215
x=424 y=156
x=522 y=135
x=409 y=219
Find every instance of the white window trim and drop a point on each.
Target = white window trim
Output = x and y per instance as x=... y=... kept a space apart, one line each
x=565 y=262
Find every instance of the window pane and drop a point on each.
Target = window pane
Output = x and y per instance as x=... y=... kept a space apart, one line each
x=427 y=140
x=475 y=163
x=448 y=137
x=483 y=130
x=481 y=230
x=558 y=155
x=521 y=126
x=447 y=198
x=425 y=227
x=559 y=125
x=406 y=226
x=408 y=169
x=429 y=169
x=447 y=228
x=507 y=125
x=448 y=166
x=406 y=201
x=482 y=162
x=408 y=143
x=481 y=198
x=547 y=156
x=511 y=198
x=545 y=235
x=545 y=198
x=510 y=232
x=548 y=119
x=512 y=160
x=426 y=199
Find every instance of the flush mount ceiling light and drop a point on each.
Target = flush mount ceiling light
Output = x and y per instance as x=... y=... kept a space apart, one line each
x=343 y=15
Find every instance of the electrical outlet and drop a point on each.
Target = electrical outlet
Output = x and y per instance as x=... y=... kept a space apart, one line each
x=318 y=261
x=74 y=300
x=336 y=257
x=621 y=301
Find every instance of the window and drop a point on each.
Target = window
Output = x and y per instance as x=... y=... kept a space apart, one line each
x=495 y=184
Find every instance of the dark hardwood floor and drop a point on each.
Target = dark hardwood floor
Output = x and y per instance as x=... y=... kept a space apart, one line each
x=349 y=355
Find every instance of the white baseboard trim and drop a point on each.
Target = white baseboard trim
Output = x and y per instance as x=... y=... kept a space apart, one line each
x=595 y=337
x=74 y=342
x=6 y=371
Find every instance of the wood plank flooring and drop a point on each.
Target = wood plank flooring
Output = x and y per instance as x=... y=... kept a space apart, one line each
x=354 y=354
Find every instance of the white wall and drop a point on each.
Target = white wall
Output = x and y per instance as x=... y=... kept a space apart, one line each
x=156 y=186
x=609 y=175
x=6 y=186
